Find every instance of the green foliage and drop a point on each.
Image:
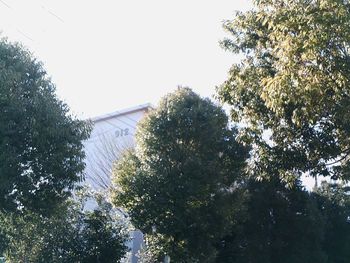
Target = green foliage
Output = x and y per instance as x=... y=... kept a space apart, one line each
x=71 y=234
x=103 y=240
x=41 y=156
x=154 y=249
x=35 y=238
x=178 y=186
x=291 y=92
x=334 y=203
x=289 y=225
x=279 y=225
x=293 y=82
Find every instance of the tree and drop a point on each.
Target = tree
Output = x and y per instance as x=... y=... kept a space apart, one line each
x=41 y=150
x=294 y=83
x=334 y=204
x=292 y=93
x=278 y=224
x=70 y=234
x=179 y=185
x=103 y=236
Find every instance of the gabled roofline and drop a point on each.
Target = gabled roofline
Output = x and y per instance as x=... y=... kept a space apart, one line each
x=146 y=107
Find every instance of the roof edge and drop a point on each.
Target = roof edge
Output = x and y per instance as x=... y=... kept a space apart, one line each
x=146 y=106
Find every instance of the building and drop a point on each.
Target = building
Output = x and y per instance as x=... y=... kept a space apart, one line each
x=111 y=135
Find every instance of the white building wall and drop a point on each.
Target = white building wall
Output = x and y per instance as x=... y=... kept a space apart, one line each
x=112 y=134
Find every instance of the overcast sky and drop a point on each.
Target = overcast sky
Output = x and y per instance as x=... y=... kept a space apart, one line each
x=109 y=55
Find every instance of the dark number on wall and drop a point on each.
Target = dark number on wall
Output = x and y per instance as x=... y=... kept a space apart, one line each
x=122 y=132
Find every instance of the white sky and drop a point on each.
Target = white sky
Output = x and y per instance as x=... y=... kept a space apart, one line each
x=109 y=55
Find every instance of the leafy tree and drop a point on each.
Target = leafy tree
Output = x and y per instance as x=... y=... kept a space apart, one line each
x=104 y=238
x=291 y=91
x=334 y=204
x=31 y=237
x=71 y=234
x=293 y=82
x=279 y=225
x=178 y=186
x=41 y=156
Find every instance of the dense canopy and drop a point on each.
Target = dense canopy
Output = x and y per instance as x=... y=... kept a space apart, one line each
x=178 y=185
x=293 y=82
x=41 y=156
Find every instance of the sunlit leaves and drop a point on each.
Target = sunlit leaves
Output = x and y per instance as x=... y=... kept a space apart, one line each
x=294 y=80
x=179 y=186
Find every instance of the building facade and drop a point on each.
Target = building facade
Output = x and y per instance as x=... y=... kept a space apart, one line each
x=111 y=135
